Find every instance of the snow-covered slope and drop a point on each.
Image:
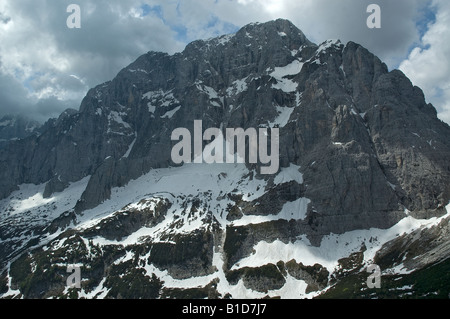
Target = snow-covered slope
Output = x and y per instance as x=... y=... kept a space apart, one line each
x=198 y=197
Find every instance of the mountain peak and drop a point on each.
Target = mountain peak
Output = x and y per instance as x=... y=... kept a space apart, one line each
x=280 y=32
x=281 y=27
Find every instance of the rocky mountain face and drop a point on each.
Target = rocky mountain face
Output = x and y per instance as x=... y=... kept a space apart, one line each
x=364 y=172
x=14 y=127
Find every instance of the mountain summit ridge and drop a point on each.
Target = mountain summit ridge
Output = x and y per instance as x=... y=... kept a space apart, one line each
x=360 y=150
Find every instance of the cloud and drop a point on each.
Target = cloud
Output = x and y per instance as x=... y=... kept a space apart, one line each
x=15 y=99
x=51 y=107
x=13 y=96
x=345 y=19
x=51 y=61
x=428 y=65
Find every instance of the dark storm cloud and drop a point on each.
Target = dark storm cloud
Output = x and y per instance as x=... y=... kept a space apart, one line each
x=51 y=108
x=52 y=63
x=110 y=36
x=14 y=99
x=13 y=96
x=4 y=19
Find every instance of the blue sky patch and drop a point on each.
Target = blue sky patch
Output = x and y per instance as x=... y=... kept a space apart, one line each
x=155 y=10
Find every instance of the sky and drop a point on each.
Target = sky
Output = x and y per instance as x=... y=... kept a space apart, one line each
x=46 y=67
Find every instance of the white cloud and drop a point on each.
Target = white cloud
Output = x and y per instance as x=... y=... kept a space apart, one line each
x=428 y=65
x=39 y=51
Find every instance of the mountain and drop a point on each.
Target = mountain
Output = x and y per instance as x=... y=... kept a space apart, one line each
x=13 y=127
x=364 y=178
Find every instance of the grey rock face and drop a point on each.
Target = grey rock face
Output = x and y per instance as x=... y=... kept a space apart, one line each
x=14 y=127
x=367 y=142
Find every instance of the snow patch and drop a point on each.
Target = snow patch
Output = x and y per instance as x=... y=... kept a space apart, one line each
x=170 y=114
x=292 y=289
x=284 y=114
x=151 y=108
x=285 y=85
x=293 y=68
x=280 y=74
x=336 y=43
x=237 y=87
x=207 y=90
x=27 y=206
x=333 y=247
x=295 y=210
x=288 y=174
x=225 y=39
x=11 y=292
x=342 y=69
x=100 y=292
x=159 y=99
x=117 y=118
x=138 y=70
x=130 y=147
x=392 y=185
